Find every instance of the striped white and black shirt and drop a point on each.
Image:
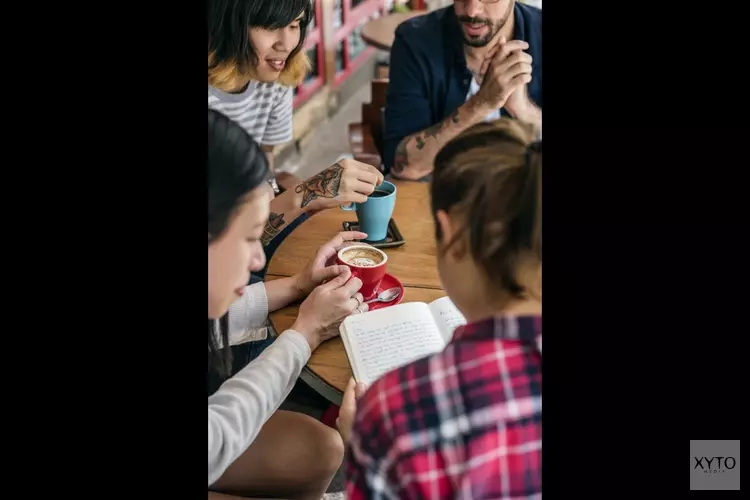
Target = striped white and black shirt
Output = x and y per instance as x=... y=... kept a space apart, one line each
x=264 y=110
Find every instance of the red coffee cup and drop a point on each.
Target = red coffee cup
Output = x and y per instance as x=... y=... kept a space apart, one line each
x=366 y=263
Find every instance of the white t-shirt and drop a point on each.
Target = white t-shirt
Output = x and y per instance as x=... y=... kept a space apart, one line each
x=473 y=89
x=264 y=110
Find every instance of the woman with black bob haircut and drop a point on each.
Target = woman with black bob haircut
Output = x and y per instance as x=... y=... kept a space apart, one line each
x=255 y=61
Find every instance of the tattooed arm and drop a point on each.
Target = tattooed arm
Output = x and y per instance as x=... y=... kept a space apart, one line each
x=285 y=208
x=275 y=224
x=411 y=138
x=324 y=185
x=343 y=182
x=416 y=153
x=293 y=202
x=284 y=203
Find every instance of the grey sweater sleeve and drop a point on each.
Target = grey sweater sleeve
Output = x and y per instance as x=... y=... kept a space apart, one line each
x=238 y=410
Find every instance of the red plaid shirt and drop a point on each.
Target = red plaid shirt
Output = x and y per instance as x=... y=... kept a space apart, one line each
x=463 y=423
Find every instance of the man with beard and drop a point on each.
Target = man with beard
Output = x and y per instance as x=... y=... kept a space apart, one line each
x=455 y=67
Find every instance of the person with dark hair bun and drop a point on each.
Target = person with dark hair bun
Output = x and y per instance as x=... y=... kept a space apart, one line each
x=254 y=448
x=255 y=60
x=467 y=422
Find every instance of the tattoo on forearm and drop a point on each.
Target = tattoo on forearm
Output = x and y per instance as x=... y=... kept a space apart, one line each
x=434 y=130
x=273 y=226
x=324 y=185
x=401 y=159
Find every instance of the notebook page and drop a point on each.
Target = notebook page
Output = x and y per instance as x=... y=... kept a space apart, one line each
x=447 y=317
x=382 y=340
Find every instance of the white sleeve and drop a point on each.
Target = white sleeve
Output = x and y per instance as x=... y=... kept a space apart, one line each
x=249 y=312
x=238 y=410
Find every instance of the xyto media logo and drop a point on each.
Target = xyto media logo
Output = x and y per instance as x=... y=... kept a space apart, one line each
x=708 y=466
x=714 y=465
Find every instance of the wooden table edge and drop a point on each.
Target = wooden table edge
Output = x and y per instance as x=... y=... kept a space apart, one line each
x=375 y=43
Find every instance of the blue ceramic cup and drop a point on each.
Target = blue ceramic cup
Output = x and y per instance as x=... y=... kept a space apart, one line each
x=376 y=212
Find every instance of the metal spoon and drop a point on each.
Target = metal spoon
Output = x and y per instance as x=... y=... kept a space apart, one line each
x=386 y=295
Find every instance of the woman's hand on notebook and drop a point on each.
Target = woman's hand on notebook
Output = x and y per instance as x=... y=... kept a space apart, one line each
x=328 y=305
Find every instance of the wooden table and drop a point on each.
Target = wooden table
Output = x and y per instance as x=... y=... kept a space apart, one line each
x=413 y=263
x=380 y=32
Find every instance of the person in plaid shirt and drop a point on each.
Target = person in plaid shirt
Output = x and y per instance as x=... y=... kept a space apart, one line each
x=467 y=422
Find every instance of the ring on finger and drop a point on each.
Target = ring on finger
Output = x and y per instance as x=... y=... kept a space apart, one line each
x=359 y=302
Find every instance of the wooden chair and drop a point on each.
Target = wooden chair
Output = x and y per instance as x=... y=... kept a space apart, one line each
x=366 y=138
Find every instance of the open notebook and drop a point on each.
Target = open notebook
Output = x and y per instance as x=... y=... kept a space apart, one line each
x=376 y=342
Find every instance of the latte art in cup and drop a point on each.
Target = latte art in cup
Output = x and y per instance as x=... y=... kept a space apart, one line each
x=362 y=257
x=363 y=262
x=366 y=263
